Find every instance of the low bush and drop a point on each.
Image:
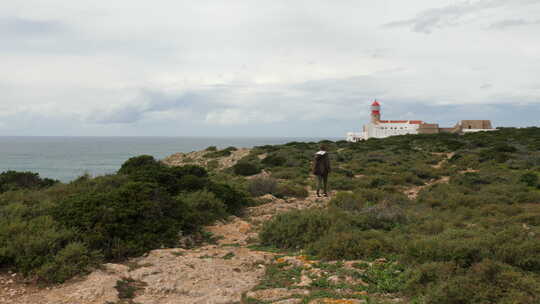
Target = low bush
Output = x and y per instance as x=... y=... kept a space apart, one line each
x=487 y=281
x=348 y=201
x=385 y=277
x=383 y=216
x=351 y=245
x=216 y=154
x=71 y=260
x=122 y=221
x=246 y=168
x=138 y=164
x=204 y=208
x=295 y=229
x=235 y=200
x=530 y=179
x=14 y=180
x=273 y=160
x=290 y=190
x=289 y=173
x=262 y=185
x=340 y=182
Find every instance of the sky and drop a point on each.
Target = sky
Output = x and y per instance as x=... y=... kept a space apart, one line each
x=263 y=68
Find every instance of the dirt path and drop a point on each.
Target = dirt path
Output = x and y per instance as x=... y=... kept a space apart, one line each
x=412 y=193
x=444 y=160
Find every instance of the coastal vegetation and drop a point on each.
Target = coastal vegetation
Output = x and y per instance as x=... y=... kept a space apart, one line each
x=456 y=219
x=54 y=231
x=468 y=233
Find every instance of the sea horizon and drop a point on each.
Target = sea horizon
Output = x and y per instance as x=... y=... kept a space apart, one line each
x=68 y=157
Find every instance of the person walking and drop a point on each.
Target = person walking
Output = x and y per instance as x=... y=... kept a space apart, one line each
x=321 y=169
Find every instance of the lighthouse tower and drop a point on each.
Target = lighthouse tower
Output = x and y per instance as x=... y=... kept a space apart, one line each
x=375 y=112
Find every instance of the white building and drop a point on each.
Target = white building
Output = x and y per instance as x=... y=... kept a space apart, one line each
x=378 y=128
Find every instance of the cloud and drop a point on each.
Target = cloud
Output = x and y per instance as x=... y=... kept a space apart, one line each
x=122 y=115
x=486 y=86
x=15 y=26
x=249 y=68
x=245 y=103
x=508 y=23
x=451 y=15
x=154 y=103
x=232 y=116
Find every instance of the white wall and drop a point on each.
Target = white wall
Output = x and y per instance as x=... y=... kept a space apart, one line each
x=390 y=129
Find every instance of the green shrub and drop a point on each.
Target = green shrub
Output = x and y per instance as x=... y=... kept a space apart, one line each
x=377 y=183
x=348 y=201
x=290 y=190
x=235 y=200
x=204 y=208
x=123 y=221
x=194 y=170
x=273 y=160
x=246 y=168
x=471 y=180
x=340 y=182
x=424 y=172
x=516 y=247
x=28 y=244
x=145 y=168
x=385 y=277
x=72 y=260
x=503 y=147
x=530 y=179
x=139 y=163
x=351 y=245
x=215 y=154
x=186 y=183
x=295 y=229
x=262 y=185
x=289 y=173
x=212 y=165
x=457 y=248
x=13 y=180
x=383 y=216
x=485 y=282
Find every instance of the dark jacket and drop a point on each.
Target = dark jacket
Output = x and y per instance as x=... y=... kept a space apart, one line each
x=321 y=163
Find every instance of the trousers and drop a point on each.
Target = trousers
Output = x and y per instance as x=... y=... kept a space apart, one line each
x=322 y=181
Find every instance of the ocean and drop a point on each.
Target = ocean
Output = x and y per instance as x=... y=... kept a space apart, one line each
x=66 y=158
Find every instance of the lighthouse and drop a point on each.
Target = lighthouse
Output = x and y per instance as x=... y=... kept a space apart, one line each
x=375 y=112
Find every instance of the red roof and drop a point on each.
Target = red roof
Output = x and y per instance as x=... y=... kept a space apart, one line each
x=414 y=122
x=375 y=103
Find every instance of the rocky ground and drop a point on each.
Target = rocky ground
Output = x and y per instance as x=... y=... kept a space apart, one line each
x=197 y=158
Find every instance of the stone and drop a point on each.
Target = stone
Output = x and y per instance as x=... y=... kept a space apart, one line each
x=337 y=301
x=276 y=293
x=289 y=301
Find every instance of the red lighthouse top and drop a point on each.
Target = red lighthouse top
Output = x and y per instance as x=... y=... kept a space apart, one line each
x=375 y=103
